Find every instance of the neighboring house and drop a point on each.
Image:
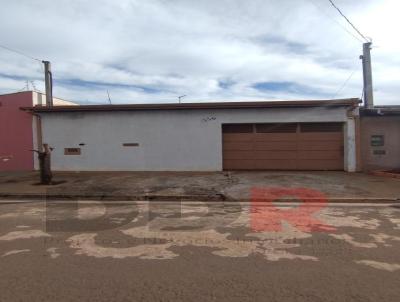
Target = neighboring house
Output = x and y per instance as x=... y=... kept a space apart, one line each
x=291 y=135
x=18 y=131
x=380 y=133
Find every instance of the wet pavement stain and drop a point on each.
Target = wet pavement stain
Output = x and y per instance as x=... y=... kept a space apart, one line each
x=207 y=251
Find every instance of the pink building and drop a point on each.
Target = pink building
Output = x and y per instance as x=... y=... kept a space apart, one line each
x=18 y=129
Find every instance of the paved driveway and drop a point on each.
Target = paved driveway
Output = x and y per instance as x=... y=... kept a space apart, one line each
x=198 y=252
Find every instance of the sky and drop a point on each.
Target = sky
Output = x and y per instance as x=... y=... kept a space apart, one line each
x=153 y=51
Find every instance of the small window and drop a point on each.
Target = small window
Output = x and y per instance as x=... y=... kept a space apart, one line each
x=237 y=128
x=72 y=151
x=276 y=128
x=377 y=140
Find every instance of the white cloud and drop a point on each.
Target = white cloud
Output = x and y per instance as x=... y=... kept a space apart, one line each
x=155 y=50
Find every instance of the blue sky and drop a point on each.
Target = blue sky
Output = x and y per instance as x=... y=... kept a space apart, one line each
x=228 y=50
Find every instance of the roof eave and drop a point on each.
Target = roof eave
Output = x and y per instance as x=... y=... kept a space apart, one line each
x=191 y=106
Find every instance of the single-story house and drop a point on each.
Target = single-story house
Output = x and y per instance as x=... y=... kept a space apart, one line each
x=380 y=137
x=276 y=135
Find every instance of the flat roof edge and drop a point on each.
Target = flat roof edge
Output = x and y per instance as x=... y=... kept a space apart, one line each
x=192 y=106
x=380 y=111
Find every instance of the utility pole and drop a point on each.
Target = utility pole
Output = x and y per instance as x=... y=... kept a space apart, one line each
x=44 y=154
x=48 y=83
x=44 y=157
x=367 y=76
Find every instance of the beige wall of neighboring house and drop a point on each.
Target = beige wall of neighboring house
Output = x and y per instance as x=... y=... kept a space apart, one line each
x=40 y=99
x=380 y=141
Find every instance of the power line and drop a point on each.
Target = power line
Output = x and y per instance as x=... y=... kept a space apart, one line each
x=344 y=84
x=13 y=90
x=348 y=21
x=19 y=52
x=336 y=22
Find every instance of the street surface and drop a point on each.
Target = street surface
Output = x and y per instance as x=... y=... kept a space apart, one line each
x=197 y=252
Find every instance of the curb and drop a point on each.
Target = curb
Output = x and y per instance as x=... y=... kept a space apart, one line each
x=12 y=197
x=104 y=197
x=386 y=174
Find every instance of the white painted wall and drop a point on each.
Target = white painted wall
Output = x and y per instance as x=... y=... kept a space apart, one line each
x=169 y=140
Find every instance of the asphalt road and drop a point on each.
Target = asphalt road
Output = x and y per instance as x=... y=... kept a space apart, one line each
x=196 y=252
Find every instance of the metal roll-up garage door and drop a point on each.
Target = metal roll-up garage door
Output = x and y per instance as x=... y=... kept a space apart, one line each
x=287 y=146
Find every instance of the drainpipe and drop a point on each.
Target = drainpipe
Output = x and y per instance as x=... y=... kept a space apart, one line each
x=39 y=133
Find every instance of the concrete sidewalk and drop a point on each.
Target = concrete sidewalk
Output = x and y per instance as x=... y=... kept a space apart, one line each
x=212 y=186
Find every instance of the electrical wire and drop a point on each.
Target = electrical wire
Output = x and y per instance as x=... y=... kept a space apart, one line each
x=13 y=90
x=20 y=53
x=29 y=57
x=335 y=21
x=344 y=84
x=348 y=21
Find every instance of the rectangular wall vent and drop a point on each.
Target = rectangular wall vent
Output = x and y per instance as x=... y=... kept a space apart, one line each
x=130 y=144
x=72 y=151
x=379 y=152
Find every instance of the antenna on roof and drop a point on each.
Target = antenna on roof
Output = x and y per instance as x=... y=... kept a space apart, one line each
x=34 y=86
x=180 y=98
x=109 y=99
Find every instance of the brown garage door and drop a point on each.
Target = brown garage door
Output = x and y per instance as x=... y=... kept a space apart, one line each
x=304 y=146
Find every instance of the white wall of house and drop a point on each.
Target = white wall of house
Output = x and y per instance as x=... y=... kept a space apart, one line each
x=169 y=140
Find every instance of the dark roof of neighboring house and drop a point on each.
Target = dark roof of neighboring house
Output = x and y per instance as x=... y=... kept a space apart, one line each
x=393 y=110
x=177 y=106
